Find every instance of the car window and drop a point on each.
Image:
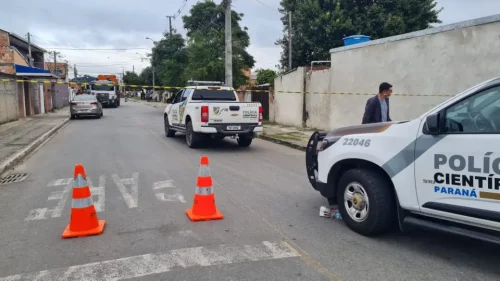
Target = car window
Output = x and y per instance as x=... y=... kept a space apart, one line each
x=178 y=96
x=84 y=98
x=186 y=94
x=210 y=94
x=479 y=113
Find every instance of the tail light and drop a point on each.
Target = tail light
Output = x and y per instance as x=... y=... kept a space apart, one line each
x=260 y=113
x=93 y=103
x=73 y=104
x=204 y=114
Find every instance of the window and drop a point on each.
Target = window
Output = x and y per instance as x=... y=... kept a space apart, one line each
x=479 y=113
x=102 y=87
x=209 y=94
x=186 y=94
x=178 y=96
x=84 y=98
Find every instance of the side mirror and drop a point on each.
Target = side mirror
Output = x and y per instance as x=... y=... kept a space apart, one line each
x=432 y=124
x=170 y=100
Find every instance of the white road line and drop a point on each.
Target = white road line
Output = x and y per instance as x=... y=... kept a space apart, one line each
x=163 y=184
x=129 y=197
x=144 y=265
x=60 y=195
x=170 y=197
x=98 y=192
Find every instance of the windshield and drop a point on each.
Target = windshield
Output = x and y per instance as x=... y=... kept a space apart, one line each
x=102 y=87
x=208 y=94
x=84 y=98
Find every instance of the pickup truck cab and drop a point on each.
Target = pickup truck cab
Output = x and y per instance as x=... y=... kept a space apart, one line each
x=440 y=171
x=106 y=92
x=203 y=112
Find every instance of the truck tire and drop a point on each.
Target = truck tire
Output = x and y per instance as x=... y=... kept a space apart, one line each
x=169 y=133
x=193 y=139
x=369 y=198
x=245 y=140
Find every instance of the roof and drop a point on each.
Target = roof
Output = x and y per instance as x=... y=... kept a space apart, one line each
x=20 y=41
x=208 y=87
x=27 y=71
x=424 y=32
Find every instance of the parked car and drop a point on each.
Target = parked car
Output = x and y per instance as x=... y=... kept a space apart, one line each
x=85 y=105
x=440 y=171
x=205 y=112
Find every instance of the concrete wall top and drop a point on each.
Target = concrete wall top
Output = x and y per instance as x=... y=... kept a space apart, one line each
x=424 y=32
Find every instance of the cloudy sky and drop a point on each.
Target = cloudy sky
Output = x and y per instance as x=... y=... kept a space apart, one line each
x=124 y=24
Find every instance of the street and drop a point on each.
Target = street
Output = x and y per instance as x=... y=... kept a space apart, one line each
x=142 y=183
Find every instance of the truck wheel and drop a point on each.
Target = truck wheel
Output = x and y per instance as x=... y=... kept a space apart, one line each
x=169 y=133
x=366 y=201
x=193 y=139
x=245 y=140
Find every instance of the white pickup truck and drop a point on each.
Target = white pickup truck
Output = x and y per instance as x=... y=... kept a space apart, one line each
x=203 y=112
x=440 y=171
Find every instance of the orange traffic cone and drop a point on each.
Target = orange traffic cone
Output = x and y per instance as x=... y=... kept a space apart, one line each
x=83 y=221
x=204 y=199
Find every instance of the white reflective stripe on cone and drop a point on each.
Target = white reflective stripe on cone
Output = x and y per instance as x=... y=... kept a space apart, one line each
x=203 y=190
x=204 y=171
x=79 y=182
x=82 y=203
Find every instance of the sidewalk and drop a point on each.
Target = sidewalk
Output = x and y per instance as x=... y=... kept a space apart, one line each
x=19 y=138
x=290 y=136
x=151 y=103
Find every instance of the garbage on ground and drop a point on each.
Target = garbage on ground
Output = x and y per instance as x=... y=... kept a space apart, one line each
x=330 y=212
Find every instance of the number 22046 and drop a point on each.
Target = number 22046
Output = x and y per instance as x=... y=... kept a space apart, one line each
x=357 y=142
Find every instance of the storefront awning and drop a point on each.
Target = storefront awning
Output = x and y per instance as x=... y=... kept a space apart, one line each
x=27 y=71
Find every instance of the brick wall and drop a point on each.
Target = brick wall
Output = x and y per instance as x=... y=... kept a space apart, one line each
x=6 y=54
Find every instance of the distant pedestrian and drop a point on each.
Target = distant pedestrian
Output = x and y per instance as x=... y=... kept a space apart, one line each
x=377 y=107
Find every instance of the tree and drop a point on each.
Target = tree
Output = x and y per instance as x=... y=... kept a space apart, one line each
x=146 y=76
x=131 y=78
x=205 y=50
x=320 y=25
x=265 y=76
x=169 y=57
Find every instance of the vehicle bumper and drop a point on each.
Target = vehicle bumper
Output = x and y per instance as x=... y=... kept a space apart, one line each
x=221 y=129
x=90 y=111
x=312 y=162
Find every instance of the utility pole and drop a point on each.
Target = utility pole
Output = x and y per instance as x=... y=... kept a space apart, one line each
x=53 y=84
x=289 y=40
x=74 y=70
x=30 y=61
x=133 y=68
x=170 y=23
x=153 y=77
x=229 y=46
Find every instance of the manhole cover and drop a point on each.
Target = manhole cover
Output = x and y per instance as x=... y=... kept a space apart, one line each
x=13 y=178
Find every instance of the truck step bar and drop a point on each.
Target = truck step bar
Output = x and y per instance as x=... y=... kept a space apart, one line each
x=454 y=230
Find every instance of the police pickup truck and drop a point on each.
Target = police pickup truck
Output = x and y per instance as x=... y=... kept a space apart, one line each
x=205 y=110
x=440 y=171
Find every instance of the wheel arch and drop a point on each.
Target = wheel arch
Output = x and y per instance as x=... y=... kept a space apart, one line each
x=347 y=164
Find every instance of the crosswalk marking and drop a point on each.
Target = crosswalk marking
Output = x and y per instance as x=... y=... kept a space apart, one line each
x=149 y=264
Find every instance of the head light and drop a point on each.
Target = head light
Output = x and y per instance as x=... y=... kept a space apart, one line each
x=327 y=142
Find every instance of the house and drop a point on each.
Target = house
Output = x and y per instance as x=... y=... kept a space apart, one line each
x=22 y=99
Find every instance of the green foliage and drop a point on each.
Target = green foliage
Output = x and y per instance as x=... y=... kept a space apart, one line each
x=131 y=78
x=201 y=55
x=146 y=76
x=320 y=25
x=265 y=76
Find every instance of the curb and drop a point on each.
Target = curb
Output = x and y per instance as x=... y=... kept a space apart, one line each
x=282 y=142
x=21 y=154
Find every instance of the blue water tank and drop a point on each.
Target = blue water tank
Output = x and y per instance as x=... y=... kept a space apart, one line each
x=355 y=39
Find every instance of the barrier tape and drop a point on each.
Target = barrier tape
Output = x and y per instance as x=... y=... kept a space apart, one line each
x=241 y=91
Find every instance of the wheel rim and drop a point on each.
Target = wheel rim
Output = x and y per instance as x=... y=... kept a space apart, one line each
x=189 y=137
x=356 y=202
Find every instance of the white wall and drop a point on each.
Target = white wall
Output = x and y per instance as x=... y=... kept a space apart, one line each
x=286 y=107
x=425 y=68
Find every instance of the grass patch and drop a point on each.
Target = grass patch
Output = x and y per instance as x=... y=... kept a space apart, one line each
x=289 y=136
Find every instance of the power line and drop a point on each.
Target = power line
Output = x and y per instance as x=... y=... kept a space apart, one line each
x=269 y=7
x=178 y=13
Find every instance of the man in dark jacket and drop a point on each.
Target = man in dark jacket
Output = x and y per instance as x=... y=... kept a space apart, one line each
x=377 y=107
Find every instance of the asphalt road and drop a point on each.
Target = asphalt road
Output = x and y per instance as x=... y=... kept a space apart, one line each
x=142 y=183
